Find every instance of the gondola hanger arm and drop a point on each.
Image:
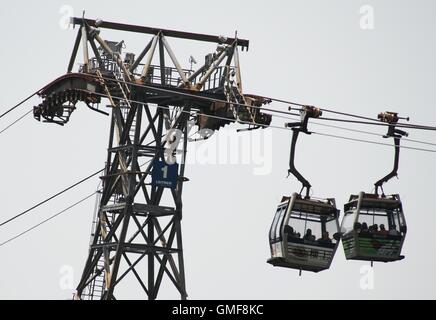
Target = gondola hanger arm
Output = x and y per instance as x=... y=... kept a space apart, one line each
x=297 y=127
x=391 y=118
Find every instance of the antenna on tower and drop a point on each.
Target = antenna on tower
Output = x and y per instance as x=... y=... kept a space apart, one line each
x=192 y=61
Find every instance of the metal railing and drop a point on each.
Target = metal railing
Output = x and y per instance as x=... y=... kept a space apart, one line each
x=154 y=76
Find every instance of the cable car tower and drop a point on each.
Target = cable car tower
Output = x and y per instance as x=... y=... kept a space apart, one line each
x=137 y=227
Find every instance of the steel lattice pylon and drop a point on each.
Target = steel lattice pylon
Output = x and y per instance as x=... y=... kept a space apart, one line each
x=140 y=210
x=125 y=182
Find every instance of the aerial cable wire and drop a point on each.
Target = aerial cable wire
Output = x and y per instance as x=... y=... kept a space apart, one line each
x=373 y=121
x=47 y=220
x=358 y=131
x=324 y=109
x=368 y=141
x=216 y=117
x=50 y=198
x=20 y=118
x=19 y=103
x=57 y=214
x=371 y=133
x=268 y=126
x=258 y=124
x=211 y=116
x=350 y=115
x=89 y=196
x=399 y=125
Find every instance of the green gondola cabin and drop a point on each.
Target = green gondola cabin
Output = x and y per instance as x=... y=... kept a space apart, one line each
x=373 y=228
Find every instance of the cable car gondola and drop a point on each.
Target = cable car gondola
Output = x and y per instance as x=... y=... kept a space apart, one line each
x=300 y=234
x=304 y=234
x=374 y=227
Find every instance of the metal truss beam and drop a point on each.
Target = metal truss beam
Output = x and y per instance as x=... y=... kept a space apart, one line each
x=168 y=33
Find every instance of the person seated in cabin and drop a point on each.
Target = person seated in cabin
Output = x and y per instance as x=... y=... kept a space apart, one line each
x=357 y=227
x=383 y=230
x=373 y=229
x=325 y=239
x=289 y=230
x=364 y=229
x=291 y=233
x=309 y=236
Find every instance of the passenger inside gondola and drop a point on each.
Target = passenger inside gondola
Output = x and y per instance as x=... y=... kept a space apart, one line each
x=364 y=229
x=292 y=235
x=325 y=239
x=357 y=227
x=309 y=236
x=373 y=229
x=383 y=230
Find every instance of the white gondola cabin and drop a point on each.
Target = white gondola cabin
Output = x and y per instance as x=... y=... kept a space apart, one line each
x=373 y=228
x=304 y=234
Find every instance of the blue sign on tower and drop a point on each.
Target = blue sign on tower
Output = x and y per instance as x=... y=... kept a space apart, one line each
x=164 y=174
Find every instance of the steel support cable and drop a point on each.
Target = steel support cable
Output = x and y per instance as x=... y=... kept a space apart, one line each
x=324 y=109
x=358 y=131
x=278 y=127
x=47 y=220
x=20 y=118
x=368 y=141
x=350 y=115
x=371 y=133
x=412 y=126
x=55 y=195
x=329 y=110
x=223 y=118
x=19 y=103
x=216 y=117
x=87 y=197
x=50 y=198
x=398 y=125
x=264 y=125
x=374 y=121
x=57 y=214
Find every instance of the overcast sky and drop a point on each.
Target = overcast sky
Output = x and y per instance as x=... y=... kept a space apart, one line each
x=315 y=52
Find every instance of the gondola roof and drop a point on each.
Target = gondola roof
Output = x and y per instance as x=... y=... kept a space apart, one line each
x=314 y=206
x=373 y=201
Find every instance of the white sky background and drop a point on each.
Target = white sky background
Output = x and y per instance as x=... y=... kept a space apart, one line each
x=309 y=51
